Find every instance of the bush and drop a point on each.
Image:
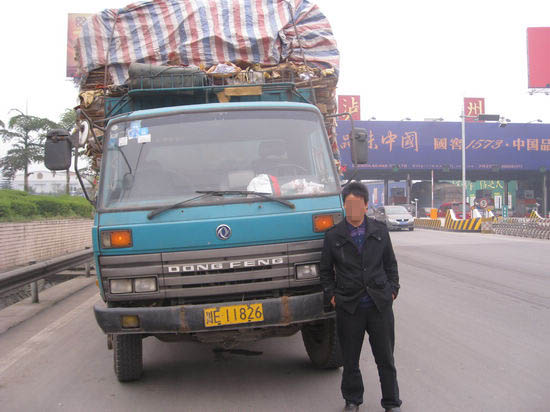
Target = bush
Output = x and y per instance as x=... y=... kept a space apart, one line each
x=18 y=205
x=12 y=194
x=23 y=207
x=5 y=209
x=50 y=206
x=84 y=209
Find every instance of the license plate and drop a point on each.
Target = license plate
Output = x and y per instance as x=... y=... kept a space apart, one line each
x=232 y=315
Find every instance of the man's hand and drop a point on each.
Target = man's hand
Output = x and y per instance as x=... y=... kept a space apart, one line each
x=333 y=302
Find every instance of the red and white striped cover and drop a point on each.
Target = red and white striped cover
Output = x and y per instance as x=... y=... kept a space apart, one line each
x=207 y=32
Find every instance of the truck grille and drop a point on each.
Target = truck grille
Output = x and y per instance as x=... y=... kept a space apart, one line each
x=206 y=273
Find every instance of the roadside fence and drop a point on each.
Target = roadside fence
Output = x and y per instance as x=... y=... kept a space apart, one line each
x=537 y=228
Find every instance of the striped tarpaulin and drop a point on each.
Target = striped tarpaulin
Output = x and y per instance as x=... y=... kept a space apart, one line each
x=195 y=32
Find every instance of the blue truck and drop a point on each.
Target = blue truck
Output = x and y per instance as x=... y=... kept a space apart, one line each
x=210 y=217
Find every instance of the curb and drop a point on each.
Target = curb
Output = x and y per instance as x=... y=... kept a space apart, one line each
x=19 y=312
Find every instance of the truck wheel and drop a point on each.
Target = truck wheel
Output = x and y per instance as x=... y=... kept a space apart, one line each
x=128 y=359
x=322 y=345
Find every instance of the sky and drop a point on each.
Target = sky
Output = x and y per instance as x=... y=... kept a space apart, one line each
x=415 y=59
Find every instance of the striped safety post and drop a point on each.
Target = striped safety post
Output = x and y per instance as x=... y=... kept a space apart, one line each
x=453 y=224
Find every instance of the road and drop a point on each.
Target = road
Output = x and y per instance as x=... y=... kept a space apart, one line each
x=472 y=326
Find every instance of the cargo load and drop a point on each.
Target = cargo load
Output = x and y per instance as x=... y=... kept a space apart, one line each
x=182 y=43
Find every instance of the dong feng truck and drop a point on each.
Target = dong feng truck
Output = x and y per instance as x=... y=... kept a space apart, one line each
x=216 y=154
x=210 y=219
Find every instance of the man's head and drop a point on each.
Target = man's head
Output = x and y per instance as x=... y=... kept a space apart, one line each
x=356 y=199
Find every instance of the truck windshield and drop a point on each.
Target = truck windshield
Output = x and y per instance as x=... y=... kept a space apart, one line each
x=162 y=160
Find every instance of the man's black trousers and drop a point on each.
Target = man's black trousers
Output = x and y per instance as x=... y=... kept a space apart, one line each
x=351 y=332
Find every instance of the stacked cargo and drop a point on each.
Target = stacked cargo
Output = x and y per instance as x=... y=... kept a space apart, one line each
x=223 y=42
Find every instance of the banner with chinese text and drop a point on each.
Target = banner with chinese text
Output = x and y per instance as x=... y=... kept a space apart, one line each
x=437 y=145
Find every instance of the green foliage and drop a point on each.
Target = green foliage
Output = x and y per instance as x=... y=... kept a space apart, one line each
x=50 y=206
x=23 y=207
x=19 y=205
x=5 y=209
x=26 y=134
x=67 y=120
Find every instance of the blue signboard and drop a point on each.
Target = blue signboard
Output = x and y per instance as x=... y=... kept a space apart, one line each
x=438 y=145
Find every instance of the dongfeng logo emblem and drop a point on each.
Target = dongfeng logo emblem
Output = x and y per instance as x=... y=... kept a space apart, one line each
x=223 y=232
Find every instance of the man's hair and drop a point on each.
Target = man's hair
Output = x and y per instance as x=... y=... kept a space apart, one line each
x=356 y=189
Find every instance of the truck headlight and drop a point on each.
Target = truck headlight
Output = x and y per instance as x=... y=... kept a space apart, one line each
x=309 y=271
x=120 y=285
x=145 y=285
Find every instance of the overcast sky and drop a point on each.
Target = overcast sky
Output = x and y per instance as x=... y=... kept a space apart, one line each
x=405 y=58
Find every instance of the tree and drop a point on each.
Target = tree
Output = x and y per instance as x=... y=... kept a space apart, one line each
x=67 y=120
x=26 y=133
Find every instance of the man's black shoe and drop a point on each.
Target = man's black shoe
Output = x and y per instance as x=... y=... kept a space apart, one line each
x=396 y=409
x=351 y=407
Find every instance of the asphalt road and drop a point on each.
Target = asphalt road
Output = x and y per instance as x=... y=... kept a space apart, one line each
x=472 y=326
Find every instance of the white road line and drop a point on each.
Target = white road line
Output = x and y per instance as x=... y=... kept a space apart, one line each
x=37 y=341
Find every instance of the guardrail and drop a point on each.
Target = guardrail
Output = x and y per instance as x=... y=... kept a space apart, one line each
x=31 y=274
x=537 y=228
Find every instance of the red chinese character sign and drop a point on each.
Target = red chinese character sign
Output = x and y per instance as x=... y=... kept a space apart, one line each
x=473 y=106
x=350 y=104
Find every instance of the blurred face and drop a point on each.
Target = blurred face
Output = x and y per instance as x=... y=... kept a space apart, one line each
x=355 y=208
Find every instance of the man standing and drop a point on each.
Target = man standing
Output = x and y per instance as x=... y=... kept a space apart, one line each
x=360 y=279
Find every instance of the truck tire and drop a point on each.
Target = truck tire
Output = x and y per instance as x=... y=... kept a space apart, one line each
x=322 y=345
x=128 y=360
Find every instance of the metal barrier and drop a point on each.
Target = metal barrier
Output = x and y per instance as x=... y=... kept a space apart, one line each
x=537 y=228
x=31 y=274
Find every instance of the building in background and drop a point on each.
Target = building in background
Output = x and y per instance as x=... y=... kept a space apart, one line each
x=48 y=182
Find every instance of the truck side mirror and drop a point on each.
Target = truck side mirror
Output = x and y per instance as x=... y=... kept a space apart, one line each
x=58 y=149
x=359 y=146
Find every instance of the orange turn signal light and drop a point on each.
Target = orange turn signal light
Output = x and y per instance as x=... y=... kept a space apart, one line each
x=322 y=223
x=116 y=238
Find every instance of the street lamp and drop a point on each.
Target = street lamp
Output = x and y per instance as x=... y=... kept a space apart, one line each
x=405 y=119
x=481 y=117
x=433 y=119
x=535 y=121
x=371 y=118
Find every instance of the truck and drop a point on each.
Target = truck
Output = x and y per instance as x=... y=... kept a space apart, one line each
x=213 y=200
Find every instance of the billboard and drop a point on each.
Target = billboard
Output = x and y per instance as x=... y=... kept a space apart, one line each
x=473 y=106
x=438 y=145
x=350 y=104
x=538 y=56
x=74 y=26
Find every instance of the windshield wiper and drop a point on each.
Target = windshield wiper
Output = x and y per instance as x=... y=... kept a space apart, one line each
x=162 y=209
x=266 y=196
x=206 y=193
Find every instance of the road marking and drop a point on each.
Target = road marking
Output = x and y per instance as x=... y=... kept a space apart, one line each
x=36 y=342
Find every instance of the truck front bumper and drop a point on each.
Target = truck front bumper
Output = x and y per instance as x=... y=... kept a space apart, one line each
x=281 y=311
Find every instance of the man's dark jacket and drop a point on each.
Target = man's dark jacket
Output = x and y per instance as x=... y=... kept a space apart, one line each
x=347 y=274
